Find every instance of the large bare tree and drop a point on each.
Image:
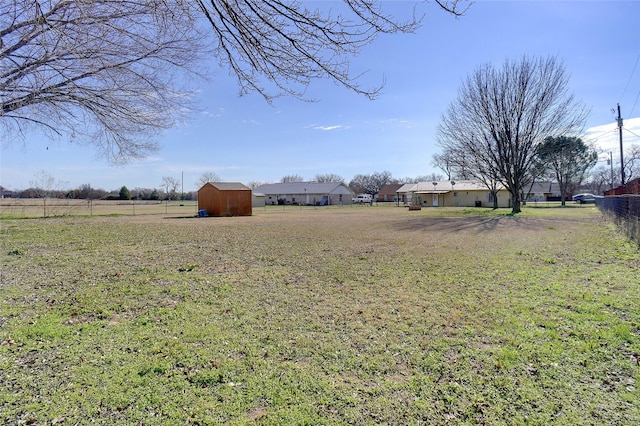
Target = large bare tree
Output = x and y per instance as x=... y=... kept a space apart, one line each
x=502 y=114
x=109 y=72
x=98 y=71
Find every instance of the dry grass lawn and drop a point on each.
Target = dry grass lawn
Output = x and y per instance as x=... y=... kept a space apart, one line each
x=358 y=315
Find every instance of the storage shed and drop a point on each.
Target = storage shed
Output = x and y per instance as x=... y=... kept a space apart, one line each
x=225 y=199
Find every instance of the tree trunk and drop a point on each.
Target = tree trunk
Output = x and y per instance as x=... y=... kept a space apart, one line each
x=494 y=194
x=563 y=191
x=516 y=202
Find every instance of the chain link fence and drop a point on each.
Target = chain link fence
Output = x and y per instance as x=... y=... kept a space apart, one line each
x=624 y=210
x=54 y=207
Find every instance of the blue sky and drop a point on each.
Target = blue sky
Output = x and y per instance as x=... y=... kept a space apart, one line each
x=245 y=139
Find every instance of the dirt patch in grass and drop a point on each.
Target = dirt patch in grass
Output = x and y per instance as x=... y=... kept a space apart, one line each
x=320 y=316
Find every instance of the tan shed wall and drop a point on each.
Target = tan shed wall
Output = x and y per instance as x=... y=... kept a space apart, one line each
x=224 y=203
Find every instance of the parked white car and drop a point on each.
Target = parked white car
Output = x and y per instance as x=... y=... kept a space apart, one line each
x=362 y=199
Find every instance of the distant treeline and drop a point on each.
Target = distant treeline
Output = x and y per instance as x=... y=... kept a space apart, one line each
x=100 y=194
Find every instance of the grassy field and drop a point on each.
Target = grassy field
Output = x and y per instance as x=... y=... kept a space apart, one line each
x=320 y=316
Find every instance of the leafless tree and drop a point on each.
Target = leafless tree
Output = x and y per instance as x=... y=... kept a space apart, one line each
x=463 y=166
x=254 y=184
x=454 y=162
x=45 y=185
x=632 y=162
x=599 y=180
x=501 y=115
x=328 y=177
x=291 y=178
x=85 y=191
x=170 y=185
x=431 y=177
x=444 y=162
x=208 y=177
x=423 y=178
x=370 y=184
x=110 y=73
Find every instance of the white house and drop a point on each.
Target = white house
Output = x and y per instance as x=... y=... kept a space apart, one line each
x=544 y=191
x=306 y=193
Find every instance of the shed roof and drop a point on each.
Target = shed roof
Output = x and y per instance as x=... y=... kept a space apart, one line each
x=228 y=186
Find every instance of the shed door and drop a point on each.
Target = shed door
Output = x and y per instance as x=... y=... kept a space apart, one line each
x=435 y=200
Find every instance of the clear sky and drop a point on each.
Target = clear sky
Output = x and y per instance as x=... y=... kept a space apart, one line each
x=245 y=139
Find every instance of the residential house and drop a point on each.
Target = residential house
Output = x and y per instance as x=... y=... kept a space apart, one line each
x=465 y=193
x=389 y=193
x=404 y=194
x=544 y=191
x=306 y=193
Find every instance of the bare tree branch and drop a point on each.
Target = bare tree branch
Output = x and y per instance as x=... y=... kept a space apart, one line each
x=101 y=71
x=112 y=73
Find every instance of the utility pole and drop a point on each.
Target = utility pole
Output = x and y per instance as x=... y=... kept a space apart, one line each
x=611 y=163
x=621 y=150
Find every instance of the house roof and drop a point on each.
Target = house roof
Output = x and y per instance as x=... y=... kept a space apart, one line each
x=441 y=187
x=304 y=188
x=228 y=186
x=407 y=187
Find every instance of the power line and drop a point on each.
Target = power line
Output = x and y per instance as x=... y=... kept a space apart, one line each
x=634 y=104
x=624 y=92
x=595 y=139
x=627 y=130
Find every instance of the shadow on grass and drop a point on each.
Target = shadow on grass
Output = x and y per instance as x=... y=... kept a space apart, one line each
x=184 y=217
x=465 y=224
